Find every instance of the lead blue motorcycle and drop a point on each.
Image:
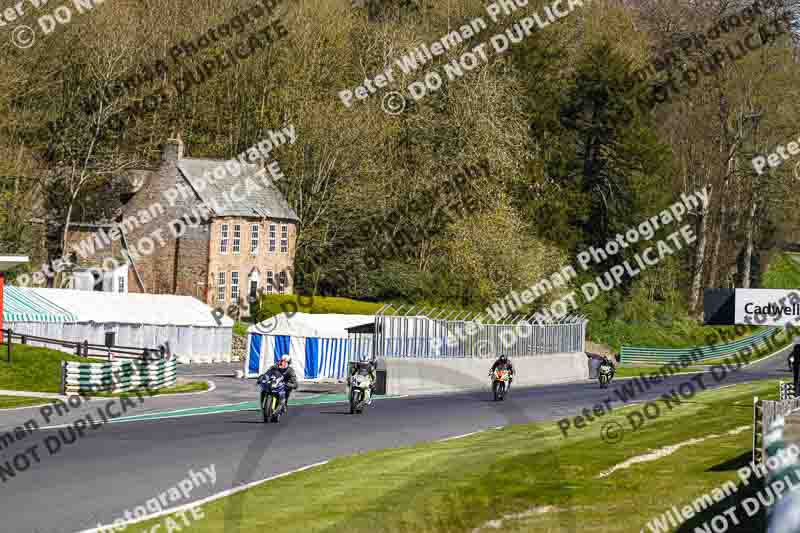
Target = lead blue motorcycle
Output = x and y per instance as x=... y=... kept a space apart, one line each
x=273 y=396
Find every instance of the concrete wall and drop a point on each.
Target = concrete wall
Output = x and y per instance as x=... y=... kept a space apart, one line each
x=420 y=376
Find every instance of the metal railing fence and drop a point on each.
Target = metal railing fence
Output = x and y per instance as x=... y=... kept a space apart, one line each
x=452 y=334
x=85 y=349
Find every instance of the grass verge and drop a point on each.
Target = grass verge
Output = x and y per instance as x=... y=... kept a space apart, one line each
x=8 y=402
x=33 y=368
x=192 y=386
x=634 y=371
x=525 y=477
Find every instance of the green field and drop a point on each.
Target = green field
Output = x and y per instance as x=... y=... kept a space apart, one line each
x=634 y=371
x=783 y=273
x=39 y=370
x=33 y=368
x=7 y=402
x=192 y=386
x=273 y=304
x=528 y=475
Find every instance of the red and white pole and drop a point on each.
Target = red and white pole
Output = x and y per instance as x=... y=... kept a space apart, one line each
x=2 y=289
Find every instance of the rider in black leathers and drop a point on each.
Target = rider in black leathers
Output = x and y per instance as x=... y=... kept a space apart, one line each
x=284 y=368
x=504 y=363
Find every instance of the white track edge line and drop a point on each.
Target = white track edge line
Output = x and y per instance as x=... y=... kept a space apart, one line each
x=207 y=499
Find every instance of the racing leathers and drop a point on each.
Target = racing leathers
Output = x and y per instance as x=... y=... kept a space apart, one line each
x=289 y=378
x=503 y=364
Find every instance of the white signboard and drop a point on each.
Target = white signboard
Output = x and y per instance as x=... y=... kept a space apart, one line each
x=767 y=307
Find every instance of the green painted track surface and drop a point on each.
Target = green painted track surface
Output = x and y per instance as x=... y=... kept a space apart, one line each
x=318 y=399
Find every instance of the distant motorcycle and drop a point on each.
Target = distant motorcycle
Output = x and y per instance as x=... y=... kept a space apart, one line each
x=605 y=373
x=360 y=390
x=500 y=380
x=273 y=396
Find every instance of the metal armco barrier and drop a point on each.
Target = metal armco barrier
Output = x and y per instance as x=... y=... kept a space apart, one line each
x=636 y=354
x=118 y=376
x=765 y=412
x=757 y=434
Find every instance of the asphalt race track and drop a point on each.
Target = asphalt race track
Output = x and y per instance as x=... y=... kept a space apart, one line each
x=122 y=465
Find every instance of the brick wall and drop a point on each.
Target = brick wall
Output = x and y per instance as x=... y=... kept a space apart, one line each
x=244 y=262
x=189 y=263
x=90 y=240
x=175 y=266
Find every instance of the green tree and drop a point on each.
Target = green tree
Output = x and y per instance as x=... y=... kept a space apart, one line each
x=612 y=157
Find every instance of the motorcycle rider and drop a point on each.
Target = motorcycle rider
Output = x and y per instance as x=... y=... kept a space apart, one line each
x=503 y=363
x=284 y=368
x=605 y=361
x=368 y=368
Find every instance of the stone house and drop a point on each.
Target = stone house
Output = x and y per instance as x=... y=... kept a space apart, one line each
x=184 y=231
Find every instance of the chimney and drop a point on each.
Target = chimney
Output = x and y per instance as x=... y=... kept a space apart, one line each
x=173 y=149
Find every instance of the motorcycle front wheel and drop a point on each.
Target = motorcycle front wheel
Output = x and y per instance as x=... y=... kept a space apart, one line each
x=266 y=407
x=499 y=390
x=273 y=408
x=354 y=400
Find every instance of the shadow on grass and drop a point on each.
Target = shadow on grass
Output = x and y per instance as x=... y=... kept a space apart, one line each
x=746 y=524
x=733 y=464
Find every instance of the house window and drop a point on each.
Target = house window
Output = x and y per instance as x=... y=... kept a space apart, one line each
x=234 y=287
x=272 y=231
x=221 y=287
x=254 y=239
x=237 y=239
x=223 y=244
x=284 y=239
x=282 y=282
x=270 y=281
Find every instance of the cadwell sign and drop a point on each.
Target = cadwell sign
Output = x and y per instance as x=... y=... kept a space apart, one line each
x=767 y=307
x=761 y=307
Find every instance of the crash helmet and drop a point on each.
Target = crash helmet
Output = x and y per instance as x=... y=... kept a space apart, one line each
x=286 y=358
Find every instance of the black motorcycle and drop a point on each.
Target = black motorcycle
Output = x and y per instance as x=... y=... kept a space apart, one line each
x=273 y=396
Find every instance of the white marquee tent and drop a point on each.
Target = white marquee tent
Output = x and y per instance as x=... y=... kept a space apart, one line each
x=139 y=320
x=317 y=343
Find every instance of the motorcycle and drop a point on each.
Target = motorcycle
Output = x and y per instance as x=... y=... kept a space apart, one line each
x=360 y=392
x=273 y=396
x=605 y=373
x=500 y=381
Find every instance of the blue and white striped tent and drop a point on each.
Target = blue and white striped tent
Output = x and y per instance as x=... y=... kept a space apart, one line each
x=317 y=343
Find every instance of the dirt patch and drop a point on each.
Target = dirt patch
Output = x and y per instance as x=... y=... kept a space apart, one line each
x=599 y=349
x=498 y=523
x=666 y=450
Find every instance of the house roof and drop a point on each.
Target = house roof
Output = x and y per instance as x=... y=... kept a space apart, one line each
x=267 y=201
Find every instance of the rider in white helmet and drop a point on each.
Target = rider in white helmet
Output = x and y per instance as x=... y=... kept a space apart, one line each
x=284 y=367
